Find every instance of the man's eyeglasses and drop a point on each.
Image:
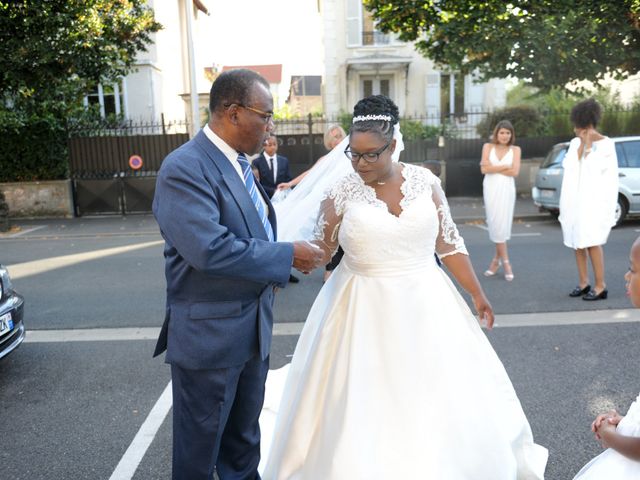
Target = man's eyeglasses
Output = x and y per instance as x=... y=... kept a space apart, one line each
x=266 y=116
x=369 y=157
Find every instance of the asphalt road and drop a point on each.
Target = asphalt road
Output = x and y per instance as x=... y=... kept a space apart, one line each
x=70 y=410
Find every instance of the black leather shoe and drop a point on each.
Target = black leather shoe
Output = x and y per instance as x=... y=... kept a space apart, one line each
x=578 y=292
x=293 y=279
x=592 y=295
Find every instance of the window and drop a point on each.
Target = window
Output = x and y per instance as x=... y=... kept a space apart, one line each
x=361 y=29
x=631 y=153
x=370 y=35
x=376 y=86
x=110 y=98
x=451 y=94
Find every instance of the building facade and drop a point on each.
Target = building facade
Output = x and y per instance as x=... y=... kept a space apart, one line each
x=360 y=60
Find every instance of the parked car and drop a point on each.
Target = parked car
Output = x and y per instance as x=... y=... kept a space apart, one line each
x=11 y=313
x=546 y=192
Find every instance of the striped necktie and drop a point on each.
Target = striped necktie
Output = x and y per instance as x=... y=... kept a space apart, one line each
x=250 y=183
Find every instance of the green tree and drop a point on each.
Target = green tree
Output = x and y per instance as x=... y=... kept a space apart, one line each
x=52 y=53
x=548 y=43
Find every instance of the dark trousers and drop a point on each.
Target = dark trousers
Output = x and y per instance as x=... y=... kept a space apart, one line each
x=215 y=421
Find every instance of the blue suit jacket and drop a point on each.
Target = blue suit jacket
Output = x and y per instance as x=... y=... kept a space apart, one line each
x=266 y=175
x=220 y=266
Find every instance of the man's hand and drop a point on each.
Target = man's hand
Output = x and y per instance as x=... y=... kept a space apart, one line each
x=306 y=256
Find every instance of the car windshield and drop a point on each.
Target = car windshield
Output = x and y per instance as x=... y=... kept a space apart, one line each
x=555 y=157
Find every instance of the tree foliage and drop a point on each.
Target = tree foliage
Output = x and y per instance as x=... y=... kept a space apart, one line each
x=549 y=43
x=52 y=53
x=62 y=47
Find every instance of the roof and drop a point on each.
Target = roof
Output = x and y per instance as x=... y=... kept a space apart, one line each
x=272 y=73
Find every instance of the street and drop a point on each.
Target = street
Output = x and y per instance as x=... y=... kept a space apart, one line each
x=75 y=395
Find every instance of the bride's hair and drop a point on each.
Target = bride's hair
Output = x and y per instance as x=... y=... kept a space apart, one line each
x=375 y=105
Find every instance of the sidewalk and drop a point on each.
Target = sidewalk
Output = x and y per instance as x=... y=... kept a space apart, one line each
x=470 y=209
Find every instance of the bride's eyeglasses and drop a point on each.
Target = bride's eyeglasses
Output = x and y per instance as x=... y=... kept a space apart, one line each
x=369 y=157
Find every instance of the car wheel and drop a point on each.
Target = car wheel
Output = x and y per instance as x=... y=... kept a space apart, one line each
x=621 y=210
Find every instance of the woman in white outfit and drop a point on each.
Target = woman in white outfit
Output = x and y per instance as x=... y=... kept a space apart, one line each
x=500 y=164
x=392 y=376
x=589 y=197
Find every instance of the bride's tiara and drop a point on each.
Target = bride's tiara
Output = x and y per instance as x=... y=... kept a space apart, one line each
x=365 y=118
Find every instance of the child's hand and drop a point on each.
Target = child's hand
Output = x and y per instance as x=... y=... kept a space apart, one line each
x=604 y=431
x=612 y=417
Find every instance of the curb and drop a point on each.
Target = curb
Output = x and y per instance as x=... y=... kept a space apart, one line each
x=535 y=217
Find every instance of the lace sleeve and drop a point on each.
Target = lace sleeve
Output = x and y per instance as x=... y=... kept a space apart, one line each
x=449 y=241
x=325 y=233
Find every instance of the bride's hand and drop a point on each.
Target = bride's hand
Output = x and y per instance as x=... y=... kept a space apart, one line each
x=283 y=186
x=484 y=310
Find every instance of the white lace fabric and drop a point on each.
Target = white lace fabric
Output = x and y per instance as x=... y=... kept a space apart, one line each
x=352 y=216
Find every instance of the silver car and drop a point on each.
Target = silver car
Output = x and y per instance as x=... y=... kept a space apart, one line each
x=546 y=192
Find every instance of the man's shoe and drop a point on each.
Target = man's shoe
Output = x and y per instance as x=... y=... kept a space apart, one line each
x=293 y=279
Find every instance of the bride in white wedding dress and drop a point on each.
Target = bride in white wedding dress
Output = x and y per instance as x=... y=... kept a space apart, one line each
x=392 y=376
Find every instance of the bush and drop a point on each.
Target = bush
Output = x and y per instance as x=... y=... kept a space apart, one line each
x=33 y=147
x=416 y=130
x=526 y=121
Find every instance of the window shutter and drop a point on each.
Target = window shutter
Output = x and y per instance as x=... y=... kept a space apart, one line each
x=354 y=23
x=432 y=97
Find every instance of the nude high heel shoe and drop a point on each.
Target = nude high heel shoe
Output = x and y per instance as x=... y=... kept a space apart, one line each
x=508 y=276
x=494 y=266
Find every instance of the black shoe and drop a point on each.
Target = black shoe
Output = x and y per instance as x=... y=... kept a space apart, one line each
x=592 y=295
x=293 y=279
x=578 y=292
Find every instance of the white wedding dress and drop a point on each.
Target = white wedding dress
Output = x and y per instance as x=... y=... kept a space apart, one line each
x=499 y=192
x=392 y=377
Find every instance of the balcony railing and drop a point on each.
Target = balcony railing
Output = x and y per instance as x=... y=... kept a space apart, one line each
x=375 y=38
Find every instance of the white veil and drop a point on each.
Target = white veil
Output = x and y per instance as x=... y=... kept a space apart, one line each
x=297 y=208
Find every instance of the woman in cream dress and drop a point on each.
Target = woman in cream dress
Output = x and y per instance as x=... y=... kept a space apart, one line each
x=392 y=377
x=500 y=165
x=589 y=197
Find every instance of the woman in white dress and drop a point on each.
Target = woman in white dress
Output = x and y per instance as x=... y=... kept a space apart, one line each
x=619 y=435
x=500 y=164
x=392 y=376
x=588 y=197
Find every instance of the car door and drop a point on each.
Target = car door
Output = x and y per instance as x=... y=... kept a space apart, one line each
x=628 y=152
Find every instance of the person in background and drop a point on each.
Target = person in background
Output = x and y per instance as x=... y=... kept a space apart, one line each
x=589 y=197
x=273 y=168
x=500 y=164
x=619 y=435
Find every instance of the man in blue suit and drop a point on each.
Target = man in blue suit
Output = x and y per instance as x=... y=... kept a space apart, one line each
x=222 y=267
x=273 y=168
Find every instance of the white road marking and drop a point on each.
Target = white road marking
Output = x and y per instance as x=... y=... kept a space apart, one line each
x=35 y=267
x=587 y=317
x=126 y=468
x=22 y=232
x=92 y=335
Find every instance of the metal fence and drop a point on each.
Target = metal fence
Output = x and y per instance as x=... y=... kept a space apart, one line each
x=105 y=179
